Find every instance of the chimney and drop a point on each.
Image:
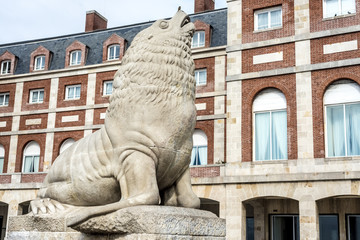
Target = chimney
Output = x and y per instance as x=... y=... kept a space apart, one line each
x=94 y=21
x=204 y=5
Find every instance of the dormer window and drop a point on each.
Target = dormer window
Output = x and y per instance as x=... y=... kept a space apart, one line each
x=5 y=67
x=198 y=39
x=75 y=58
x=39 y=63
x=114 y=52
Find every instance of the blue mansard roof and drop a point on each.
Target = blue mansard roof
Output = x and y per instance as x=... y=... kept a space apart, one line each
x=217 y=19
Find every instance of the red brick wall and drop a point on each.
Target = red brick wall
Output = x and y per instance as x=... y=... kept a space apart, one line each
x=250 y=88
x=209 y=106
x=208 y=127
x=45 y=84
x=8 y=121
x=249 y=7
x=80 y=122
x=42 y=125
x=8 y=88
x=5 y=141
x=73 y=80
x=205 y=171
x=209 y=64
x=60 y=137
x=288 y=58
x=97 y=113
x=94 y=22
x=320 y=81
x=37 y=177
x=25 y=139
x=317 y=23
x=318 y=56
x=99 y=89
x=203 y=5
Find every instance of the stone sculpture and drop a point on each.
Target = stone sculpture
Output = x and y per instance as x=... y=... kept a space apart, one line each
x=141 y=156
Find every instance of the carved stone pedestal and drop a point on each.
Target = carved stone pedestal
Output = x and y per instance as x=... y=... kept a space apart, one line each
x=141 y=222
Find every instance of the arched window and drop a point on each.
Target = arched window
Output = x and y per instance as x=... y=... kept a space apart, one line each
x=198 y=39
x=114 y=52
x=270 y=125
x=2 y=157
x=67 y=143
x=39 y=63
x=75 y=57
x=342 y=118
x=199 y=152
x=31 y=157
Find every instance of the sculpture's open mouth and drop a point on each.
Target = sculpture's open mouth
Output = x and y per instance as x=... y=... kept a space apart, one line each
x=185 y=21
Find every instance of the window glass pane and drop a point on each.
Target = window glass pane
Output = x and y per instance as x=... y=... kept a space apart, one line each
x=262 y=136
x=193 y=153
x=348 y=6
x=111 y=52
x=70 y=92
x=195 y=40
x=275 y=18
x=2 y=100
x=78 y=57
x=1 y=164
x=285 y=228
x=6 y=99
x=352 y=118
x=78 y=89
x=36 y=163
x=328 y=226
x=335 y=130
x=34 y=96
x=279 y=135
x=42 y=66
x=249 y=228
x=332 y=8
x=28 y=164
x=202 y=39
x=263 y=20
x=117 y=52
x=354 y=227
x=108 y=88
x=202 y=77
x=41 y=96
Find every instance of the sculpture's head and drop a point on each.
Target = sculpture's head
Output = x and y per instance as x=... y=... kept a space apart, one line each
x=179 y=27
x=157 y=64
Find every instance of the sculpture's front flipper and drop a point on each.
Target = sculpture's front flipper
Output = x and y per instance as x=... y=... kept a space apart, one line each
x=138 y=187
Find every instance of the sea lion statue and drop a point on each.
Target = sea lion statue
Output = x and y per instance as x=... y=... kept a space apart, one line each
x=141 y=155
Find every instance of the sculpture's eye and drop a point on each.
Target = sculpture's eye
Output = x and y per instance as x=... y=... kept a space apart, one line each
x=164 y=24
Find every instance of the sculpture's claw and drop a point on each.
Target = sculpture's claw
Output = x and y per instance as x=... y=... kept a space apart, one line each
x=45 y=206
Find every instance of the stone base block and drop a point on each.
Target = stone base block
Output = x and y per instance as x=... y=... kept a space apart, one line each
x=141 y=222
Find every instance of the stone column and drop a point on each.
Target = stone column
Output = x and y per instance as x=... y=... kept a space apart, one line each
x=90 y=101
x=308 y=218
x=303 y=81
x=235 y=214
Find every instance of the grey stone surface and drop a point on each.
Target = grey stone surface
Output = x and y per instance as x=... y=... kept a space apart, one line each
x=141 y=222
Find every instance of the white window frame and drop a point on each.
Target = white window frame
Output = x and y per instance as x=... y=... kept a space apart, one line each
x=5 y=96
x=342 y=103
x=39 y=63
x=33 y=155
x=67 y=89
x=268 y=10
x=197 y=77
x=77 y=54
x=105 y=93
x=198 y=44
x=38 y=91
x=2 y=158
x=115 y=47
x=5 y=67
x=66 y=144
x=268 y=109
x=339 y=13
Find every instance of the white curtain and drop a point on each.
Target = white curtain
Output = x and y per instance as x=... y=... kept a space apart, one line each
x=276 y=18
x=335 y=131
x=263 y=20
x=34 y=96
x=262 y=136
x=199 y=155
x=70 y=92
x=332 y=8
x=279 y=135
x=41 y=96
x=1 y=164
x=77 y=94
x=109 y=87
x=352 y=118
x=31 y=164
x=348 y=6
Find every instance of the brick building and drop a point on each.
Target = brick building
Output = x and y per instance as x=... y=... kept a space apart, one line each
x=277 y=139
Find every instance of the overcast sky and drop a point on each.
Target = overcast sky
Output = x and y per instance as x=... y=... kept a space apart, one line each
x=22 y=20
